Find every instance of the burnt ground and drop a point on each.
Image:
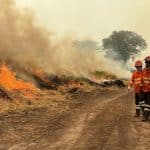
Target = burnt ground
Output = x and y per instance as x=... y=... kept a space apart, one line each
x=100 y=120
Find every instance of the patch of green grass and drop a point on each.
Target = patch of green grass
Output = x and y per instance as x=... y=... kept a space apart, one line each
x=103 y=74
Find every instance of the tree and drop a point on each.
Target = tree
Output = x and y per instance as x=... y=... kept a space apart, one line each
x=123 y=45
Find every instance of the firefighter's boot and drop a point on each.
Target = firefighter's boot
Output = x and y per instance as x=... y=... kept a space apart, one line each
x=142 y=110
x=137 y=113
x=145 y=116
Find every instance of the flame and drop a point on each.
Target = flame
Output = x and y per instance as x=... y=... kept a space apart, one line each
x=41 y=75
x=71 y=84
x=75 y=84
x=9 y=82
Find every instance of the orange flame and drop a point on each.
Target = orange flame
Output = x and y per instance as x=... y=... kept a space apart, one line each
x=75 y=84
x=9 y=82
x=40 y=74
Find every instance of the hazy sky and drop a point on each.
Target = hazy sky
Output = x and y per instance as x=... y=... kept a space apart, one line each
x=92 y=18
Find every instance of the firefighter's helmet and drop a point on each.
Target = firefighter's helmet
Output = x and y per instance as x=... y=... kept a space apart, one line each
x=138 y=63
x=147 y=59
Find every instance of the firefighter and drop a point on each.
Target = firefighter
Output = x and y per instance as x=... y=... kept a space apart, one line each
x=136 y=84
x=146 y=88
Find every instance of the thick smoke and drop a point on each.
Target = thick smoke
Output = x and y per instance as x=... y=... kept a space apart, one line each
x=26 y=44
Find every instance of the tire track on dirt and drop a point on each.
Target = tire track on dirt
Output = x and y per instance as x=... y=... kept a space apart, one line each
x=37 y=129
x=86 y=122
x=98 y=131
x=143 y=132
x=105 y=122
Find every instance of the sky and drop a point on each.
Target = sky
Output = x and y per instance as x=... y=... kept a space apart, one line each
x=95 y=19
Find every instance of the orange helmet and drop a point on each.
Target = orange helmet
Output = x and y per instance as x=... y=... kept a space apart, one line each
x=138 y=63
x=147 y=59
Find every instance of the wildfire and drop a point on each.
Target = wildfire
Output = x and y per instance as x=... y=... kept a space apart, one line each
x=40 y=75
x=71 y=85
x=75 y=84
x=9 y=82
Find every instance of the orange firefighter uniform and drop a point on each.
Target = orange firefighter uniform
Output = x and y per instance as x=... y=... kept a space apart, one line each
x=136 y=83
x=146 y=80
x=146 y=88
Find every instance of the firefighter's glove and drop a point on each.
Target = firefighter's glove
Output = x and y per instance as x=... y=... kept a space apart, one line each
x=130 y=89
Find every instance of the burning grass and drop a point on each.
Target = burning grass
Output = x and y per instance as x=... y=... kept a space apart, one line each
x=47 y=98
x=10 y=83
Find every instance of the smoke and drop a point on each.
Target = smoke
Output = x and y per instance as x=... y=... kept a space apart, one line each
x=24 y=43
x=144 y=54
x=21 y=40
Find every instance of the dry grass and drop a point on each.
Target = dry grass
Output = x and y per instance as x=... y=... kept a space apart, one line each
x=104 y=75
x=48 y=100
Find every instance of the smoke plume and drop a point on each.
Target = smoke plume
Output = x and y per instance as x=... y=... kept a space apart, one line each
x=26 y=44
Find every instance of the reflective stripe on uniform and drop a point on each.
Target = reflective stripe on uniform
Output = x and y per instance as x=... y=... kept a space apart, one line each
x=147 y=106
x=138 y=107
x=146 y=109
x=142 y=103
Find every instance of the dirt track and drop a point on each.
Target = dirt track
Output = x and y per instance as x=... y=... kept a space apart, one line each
x=103 y=122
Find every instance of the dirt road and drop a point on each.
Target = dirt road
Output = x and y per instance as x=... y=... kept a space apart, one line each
x=102 y=122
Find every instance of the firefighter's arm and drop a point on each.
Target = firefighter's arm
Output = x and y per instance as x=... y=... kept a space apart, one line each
x=131 y=83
